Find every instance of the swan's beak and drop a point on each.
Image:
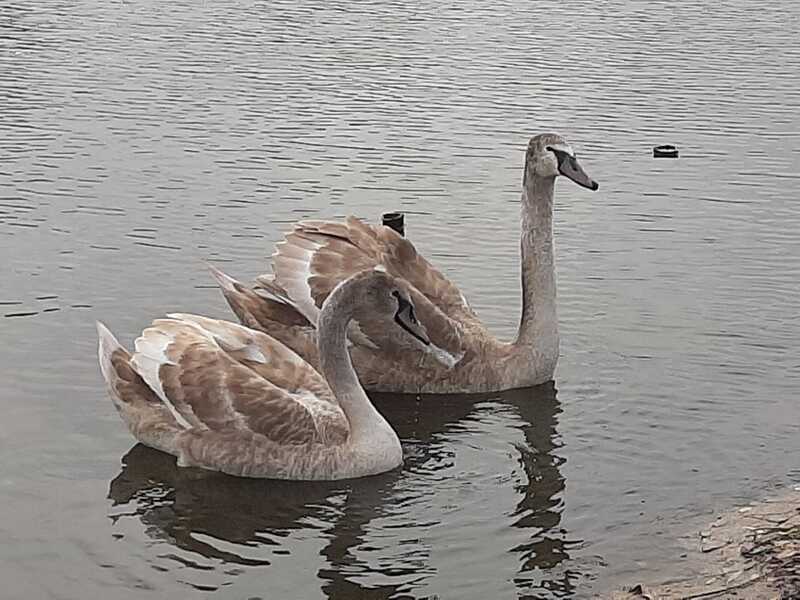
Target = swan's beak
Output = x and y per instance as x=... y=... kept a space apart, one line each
x=407 y=320
x=569 y=167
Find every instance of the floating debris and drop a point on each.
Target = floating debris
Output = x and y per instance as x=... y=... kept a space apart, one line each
x=665 y=151
x=396 y=221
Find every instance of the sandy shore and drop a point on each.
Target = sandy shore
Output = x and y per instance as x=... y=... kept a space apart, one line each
x=749 y=553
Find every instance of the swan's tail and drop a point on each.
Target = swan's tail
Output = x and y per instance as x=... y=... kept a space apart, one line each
x=146 y=416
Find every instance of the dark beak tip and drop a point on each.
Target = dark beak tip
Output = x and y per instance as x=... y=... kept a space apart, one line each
x=594 y=186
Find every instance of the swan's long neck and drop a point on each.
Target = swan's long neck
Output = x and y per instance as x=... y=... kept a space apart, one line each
x=337 y=367
x=538 y=328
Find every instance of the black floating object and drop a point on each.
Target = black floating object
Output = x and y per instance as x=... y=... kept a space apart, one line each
x=395 y=220
x=665 y=151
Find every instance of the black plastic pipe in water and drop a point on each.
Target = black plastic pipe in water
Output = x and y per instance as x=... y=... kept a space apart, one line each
x=665 y=151
x=395 y=220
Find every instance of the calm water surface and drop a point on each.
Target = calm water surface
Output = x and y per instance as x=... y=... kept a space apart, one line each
x=139 y=140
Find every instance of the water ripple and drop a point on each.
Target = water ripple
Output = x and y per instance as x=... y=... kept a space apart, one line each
x=140 y=140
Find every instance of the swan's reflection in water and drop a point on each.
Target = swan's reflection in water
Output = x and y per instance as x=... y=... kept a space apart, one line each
x=489 y=446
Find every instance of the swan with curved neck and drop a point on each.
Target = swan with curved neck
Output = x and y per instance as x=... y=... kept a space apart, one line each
x=227 y=398
x=316 y=255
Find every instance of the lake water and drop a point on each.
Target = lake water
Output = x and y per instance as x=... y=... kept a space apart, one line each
x=140 y=140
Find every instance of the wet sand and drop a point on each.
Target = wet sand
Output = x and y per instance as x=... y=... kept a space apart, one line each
x=750 y=552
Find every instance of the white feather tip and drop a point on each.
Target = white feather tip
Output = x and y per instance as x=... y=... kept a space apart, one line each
x=106 y=346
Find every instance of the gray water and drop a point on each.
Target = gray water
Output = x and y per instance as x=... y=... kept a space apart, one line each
x=140 y=140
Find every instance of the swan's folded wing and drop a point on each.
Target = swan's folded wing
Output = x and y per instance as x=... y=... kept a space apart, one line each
x=255 y=307
x=262 y=353
x=318 y=255
x=223 y=377
x=268 y=309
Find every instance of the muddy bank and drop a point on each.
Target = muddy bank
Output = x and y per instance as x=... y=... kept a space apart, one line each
x=749 y=553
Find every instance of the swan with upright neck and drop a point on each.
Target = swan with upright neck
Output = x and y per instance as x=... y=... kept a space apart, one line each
x=223 y=397
x=317 y=255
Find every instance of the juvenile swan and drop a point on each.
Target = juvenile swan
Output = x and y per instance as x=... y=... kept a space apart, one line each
x=317 y=255
x=226 y=398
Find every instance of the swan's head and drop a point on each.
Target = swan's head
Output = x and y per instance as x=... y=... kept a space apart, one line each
x=382 y=306
x=549 y=155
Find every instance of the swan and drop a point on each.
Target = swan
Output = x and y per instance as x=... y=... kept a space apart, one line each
x=463 y=355
x=223 y=397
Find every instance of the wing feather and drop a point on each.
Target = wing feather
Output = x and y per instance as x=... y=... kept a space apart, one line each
x=318 y=255
x=255 y=307
x=224 y=377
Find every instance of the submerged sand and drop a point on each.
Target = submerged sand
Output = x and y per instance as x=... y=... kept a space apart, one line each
x=749 y=553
